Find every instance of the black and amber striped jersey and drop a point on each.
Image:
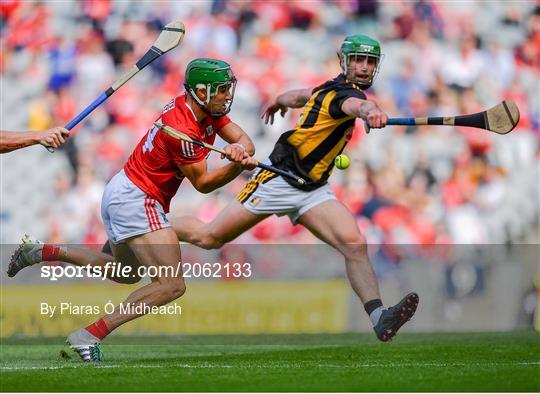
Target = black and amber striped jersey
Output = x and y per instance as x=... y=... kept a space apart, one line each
x=320 y=134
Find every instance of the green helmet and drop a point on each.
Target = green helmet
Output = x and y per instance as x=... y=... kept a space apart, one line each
x=360 y=45
x=209 y=74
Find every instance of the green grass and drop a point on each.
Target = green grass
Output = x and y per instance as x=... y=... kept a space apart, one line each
x=349 y=362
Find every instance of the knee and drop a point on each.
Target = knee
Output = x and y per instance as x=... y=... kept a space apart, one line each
x=210 y=241
x=353 y=245
x=174 y=289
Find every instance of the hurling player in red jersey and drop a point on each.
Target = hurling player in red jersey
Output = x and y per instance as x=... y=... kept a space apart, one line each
x=136 y=200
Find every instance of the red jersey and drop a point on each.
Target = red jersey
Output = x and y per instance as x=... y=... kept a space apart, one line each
x=153 y=165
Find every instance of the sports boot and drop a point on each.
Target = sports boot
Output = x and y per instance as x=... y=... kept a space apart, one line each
x=28 y=253
x=394 y=317
x=85 y=345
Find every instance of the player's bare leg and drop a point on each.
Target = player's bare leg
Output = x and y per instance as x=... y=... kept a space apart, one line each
x=231 y=222
x=333 y=223
x=31 y=252
x=159 y=249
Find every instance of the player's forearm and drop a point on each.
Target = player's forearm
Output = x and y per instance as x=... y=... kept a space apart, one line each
x=293 y=98
x=10 y=141
x=247 y=143
x=359 y=108
x=220 y=177
x=233 y=134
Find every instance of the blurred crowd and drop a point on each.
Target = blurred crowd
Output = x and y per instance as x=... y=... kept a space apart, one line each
x=406 y=185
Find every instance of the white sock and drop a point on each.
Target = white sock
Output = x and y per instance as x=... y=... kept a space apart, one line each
x=376 y=315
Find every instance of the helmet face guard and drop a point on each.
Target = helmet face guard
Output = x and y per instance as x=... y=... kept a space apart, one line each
x=211 y=75
x=359 y=47
x=212 y=90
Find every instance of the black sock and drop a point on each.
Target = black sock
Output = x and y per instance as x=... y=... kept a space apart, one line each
x=371 y=305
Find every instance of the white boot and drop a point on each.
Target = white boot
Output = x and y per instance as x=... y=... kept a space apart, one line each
x=29 y=252
x=86 y=345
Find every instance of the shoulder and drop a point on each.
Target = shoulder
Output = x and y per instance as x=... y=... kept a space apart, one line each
x=176 y=105
x=352 y=88
x=342 y=87
x=328 y=85
x=347 y=89
x=344 y=90
x=219 y=123
x=177 y=114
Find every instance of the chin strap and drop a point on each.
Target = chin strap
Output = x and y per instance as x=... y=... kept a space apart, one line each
x=197 y=101
x=202 y=106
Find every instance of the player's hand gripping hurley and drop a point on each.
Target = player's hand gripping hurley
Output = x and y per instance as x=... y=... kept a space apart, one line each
x=170 y=37
x=183 y=137
x=500 y=119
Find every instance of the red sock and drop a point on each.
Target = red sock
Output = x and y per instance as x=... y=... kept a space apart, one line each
x=50 y=252
x=98 y=329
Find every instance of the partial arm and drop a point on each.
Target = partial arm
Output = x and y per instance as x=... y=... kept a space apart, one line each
x=291 y=99
x=233 y=134
x=365 y=109
x=206 y=182
x=10 y=141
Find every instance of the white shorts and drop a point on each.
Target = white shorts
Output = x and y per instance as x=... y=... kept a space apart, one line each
x=127 y=211
x=268 y=193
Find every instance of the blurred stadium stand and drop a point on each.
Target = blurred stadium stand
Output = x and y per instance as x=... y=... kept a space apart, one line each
x=406 y=185
x=416 y=185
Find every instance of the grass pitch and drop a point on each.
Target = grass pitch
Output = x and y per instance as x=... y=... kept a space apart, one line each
x=349 y=362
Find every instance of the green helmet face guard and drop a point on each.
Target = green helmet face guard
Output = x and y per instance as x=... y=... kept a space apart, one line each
x=357 y=47
x=211 y=75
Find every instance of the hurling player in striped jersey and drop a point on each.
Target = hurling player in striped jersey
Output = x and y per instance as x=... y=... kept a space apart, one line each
x=308 y=150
